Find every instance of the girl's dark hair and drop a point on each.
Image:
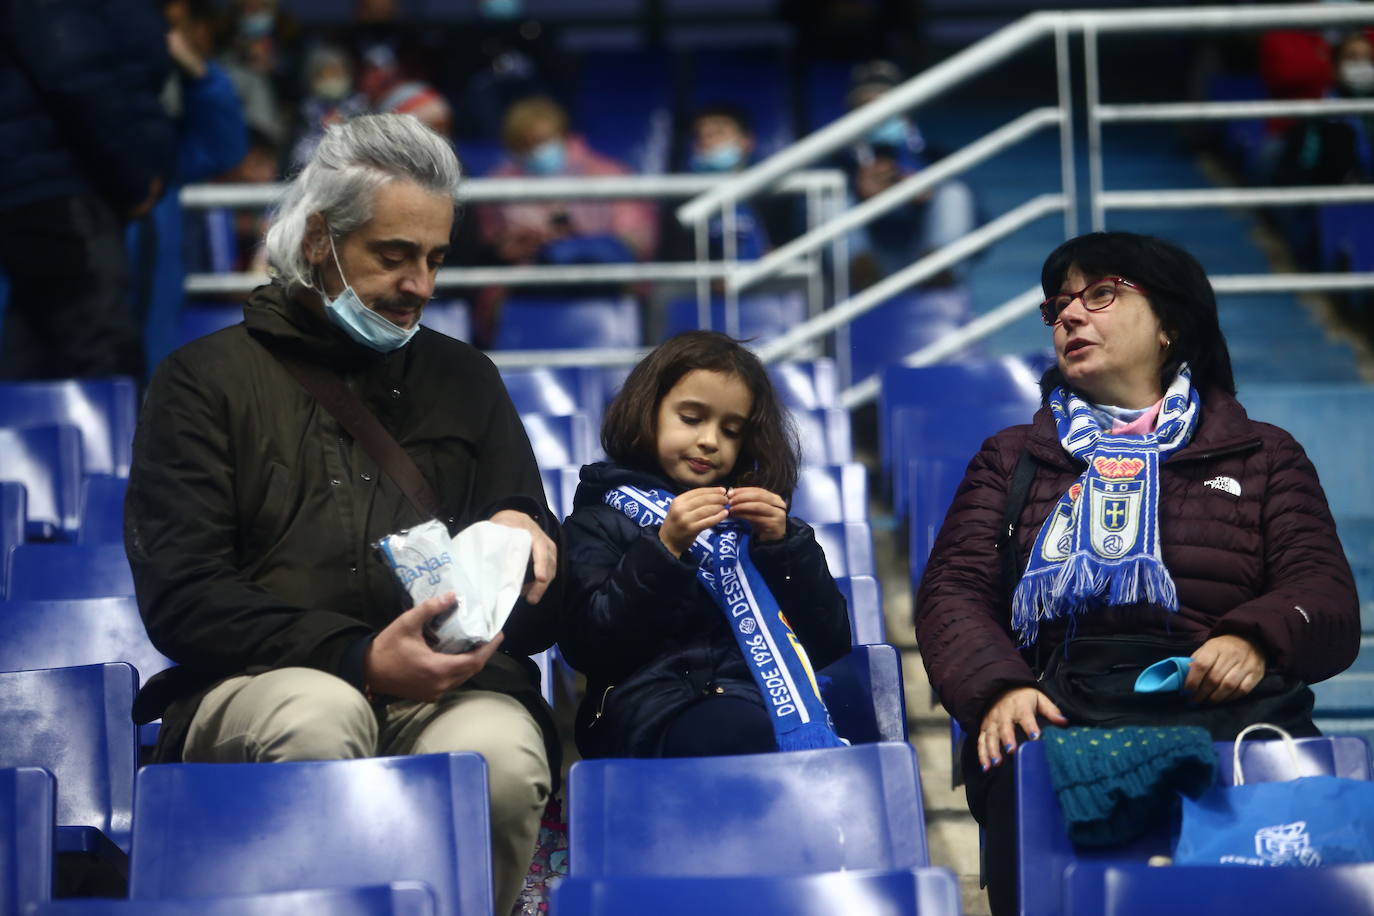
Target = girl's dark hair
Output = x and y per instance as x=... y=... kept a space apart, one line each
x=1176 y=287
x=768 y=454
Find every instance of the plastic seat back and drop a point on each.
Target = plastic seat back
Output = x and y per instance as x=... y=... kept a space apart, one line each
x=911 y=891
x=294 y=826
x=848 y=548
x=805 y=385
x=931 y=484
x=104 y=410
x=825 y=435
x=93 y=631
x=762 y=316
x=402 y=898
x=560 y=441
x=796 y=813
x=865 y=599
x=46 y=460
x=556 y=391
x=102 y=509
x=452 y=317
x=75 y=723
x=1043 y=844
x=560 y=486
x=14 y=514
x=27 y=811
x=1095 y=889
x=864 y=695
x=831 y=493
x=554 y=324
x=69 y=571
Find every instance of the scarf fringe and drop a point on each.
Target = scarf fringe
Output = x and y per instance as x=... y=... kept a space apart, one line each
x=1080 y=584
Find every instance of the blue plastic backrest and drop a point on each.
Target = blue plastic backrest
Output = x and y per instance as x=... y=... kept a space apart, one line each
x=848 y=549
x=47 y=461
x=831 y=493
x=560 y=441
x=314 y=824
x=762 y=316
x=911 y=891
x=104 y=410
x=402 y=898
x=931 y=485
x=555 y=392
x=452 y=317
x=863 y=692
x=560 y=486
x=92 y=631
x=824 y=434
x=75 y=722
x=906 y=323
x=791 y=813
x=1095 y=889
x=865 y=599
x=1043 y=841
x=55 y=571
x=196 y=321
x=805 y=385
x=27 y=811
x=14 y=513
x=102 y=509
x=553 y=324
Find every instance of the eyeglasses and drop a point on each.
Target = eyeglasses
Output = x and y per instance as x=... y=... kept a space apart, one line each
x=1096 y=296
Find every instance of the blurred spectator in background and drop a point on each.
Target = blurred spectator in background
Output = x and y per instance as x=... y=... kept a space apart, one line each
x=330 y=96
x=85 y=144
x=211 y=138
x=236 y=234
x=261 y=39
x=421 y=101
x=889 y=153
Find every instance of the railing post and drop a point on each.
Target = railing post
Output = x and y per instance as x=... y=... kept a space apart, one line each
x=1092 y=85
x=1068 y=178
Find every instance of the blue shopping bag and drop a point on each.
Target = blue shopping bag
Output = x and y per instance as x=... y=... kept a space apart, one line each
x=1306 y=821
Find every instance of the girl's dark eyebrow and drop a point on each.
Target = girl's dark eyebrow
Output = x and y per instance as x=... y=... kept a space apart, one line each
x=701 y=405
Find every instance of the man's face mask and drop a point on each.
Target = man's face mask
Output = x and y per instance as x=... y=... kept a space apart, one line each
x=358 y=321
x=547 y=158
x=724 y=158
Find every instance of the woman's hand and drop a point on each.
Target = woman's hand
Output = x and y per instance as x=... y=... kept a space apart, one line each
x=1224 y=668
x=1018 y=706
x=691 y=514
x=765 y=511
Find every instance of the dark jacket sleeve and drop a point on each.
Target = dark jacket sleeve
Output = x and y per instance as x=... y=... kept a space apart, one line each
x=181 y=531
x=507 y=477
x=627 y=595
x=1309 y=616
x=796 y=572
x=962 y=620
x=99 y=67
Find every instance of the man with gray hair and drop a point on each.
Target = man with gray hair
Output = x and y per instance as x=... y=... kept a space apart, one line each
x=259 y=487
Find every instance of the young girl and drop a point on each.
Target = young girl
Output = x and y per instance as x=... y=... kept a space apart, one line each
x=683 y=561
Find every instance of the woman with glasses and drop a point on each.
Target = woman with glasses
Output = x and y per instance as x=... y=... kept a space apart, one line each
x=1141 y=516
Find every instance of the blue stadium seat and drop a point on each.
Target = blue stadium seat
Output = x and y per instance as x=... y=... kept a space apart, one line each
x=931 y=485
x=824 y=434
x=904 y=324
x=105 y=410
x=1347 y=236
x=623 y=104
x=556 y=391
x=560 y=486
x=561 y=441
x=805 y=385
x=1045 y=849
x=14 y=514
x=401 y=898
x=833 y=493
x=553 y=324
x=863 y=692
x=865 y=599
x=90 y=631
x=200 y=319
x=69 y=571
x=102 y=509
x=1357 y=538
x=909 y=891
x=794 y=813
x=848 y=547
x=762 y=316
x=449 y=316
x=296 y=826
x=1093 y=889
x=27 y=812
x=47 y=461
x=75 y=723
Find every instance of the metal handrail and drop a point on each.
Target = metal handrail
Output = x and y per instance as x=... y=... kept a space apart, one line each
x=1225 y=111
x=1190 y=198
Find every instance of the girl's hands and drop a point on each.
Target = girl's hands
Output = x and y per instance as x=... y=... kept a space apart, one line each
x=763 y=510
x=690 y=514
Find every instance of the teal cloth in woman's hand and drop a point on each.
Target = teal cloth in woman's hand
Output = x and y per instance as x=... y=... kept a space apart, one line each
x=1165 y=676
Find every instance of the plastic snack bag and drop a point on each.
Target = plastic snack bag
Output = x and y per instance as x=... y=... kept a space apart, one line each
x=483 y=565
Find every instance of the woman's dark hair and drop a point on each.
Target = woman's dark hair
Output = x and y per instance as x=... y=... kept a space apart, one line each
x=1177 y=289
x=768 y=455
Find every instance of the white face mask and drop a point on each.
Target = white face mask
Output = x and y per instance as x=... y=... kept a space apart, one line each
x=359 y=322
x=1358 y=76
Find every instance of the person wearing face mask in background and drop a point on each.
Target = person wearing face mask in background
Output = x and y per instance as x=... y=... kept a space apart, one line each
x=890 y=152
x=331 y=96
x=539 y=143
x=252 y=510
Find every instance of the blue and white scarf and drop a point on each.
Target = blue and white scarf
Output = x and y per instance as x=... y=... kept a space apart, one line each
x=772 y=651
x=1100 y=545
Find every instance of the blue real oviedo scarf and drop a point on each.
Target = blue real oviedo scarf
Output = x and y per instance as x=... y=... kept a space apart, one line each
x=772 y=651
x=1100 y=545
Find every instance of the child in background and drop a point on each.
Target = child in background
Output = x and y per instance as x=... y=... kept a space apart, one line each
x=683 y=561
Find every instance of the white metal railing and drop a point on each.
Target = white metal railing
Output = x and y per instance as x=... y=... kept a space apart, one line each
x=981 y=56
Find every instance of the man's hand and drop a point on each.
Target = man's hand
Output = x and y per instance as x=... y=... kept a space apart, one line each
x=1018 y=706
x=400 y=663
x=764 y=510
x=1224 y=668
x=543 y=552
x=691 y=514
